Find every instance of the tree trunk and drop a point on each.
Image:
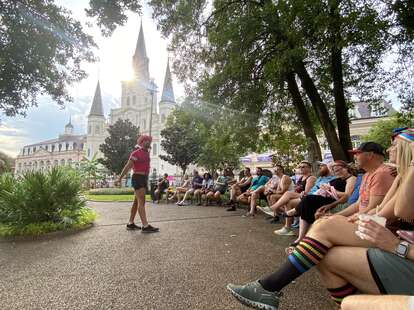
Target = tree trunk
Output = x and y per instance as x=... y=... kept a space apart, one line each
x=321 y=112
x=313 y=146
x=341 y=108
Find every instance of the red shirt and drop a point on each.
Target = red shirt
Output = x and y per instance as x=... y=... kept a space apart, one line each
x=141 y=159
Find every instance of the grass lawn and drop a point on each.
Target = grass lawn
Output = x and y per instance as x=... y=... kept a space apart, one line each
x=113 y=197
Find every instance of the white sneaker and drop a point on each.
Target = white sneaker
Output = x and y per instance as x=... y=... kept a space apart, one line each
x=284 y=231
x=266 y=210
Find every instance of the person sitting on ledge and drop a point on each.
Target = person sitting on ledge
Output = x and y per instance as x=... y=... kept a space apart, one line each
x=373 y=262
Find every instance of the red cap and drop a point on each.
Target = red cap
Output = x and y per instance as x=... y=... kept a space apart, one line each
x=143 y=138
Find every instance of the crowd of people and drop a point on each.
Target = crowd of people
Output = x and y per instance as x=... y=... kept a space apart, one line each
x=354 y=222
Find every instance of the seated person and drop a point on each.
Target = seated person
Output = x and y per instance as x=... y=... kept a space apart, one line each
x=185 y=186
x=375 y=262
x=257 y=182
x=338 y=189
x=220 y=187
x=290 y=200
x=206 y=186
x=196 y=183
x=285 y=184
x=162 y=186
x=239 y=188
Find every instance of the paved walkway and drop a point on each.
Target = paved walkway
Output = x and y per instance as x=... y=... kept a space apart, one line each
x=185 y=266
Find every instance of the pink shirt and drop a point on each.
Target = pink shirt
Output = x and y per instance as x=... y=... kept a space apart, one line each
x=141 y=160
x=376 y=183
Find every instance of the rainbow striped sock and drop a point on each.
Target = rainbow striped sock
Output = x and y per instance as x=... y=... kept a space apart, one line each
x=308 y=253
x=338 y=294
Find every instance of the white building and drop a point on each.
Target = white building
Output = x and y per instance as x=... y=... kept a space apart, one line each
x=66 y=150
x=137 y=97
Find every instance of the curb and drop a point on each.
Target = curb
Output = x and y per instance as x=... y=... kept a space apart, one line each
x=50 y=235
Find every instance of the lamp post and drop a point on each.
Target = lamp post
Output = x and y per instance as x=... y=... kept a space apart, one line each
x=152 y=89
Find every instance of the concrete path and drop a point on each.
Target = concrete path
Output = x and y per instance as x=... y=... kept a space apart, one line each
x=185 y=266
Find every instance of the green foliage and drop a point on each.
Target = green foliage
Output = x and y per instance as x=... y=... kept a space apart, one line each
x=382 y=130
x=181 y=139
x=41 y=51
x=111 y=191
x=86 y=217
x=118 y=145
x=6 y=163
x=91 y=171
x=113 y=198
x=52 y=196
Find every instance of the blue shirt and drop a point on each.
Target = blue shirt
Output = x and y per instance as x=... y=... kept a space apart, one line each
x=258 y=181
x=355 y=194
x=319 y=181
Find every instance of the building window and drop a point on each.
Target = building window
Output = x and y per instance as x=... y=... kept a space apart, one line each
x=81 y=146
x=60 y=147
x=89 y=152
x=62 y=162
x=154 y=149
x=55 y=162
x=89 y=129
x=53 y=148
x=70 y=162
x=144 y=124
x=134 y=100
x=75 y=145
x=46 y=147
x=162 y=118
x=128 y=101
x=97 y=130
x=67 y=146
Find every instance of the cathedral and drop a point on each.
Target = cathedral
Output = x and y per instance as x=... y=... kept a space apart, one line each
x=139 y=104
x=138 y=98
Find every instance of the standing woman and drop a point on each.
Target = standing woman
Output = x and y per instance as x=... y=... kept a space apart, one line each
x=139 y=161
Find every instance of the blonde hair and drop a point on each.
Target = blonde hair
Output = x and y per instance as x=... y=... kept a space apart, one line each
x=404 y=157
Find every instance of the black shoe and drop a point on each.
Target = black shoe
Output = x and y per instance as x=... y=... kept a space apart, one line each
x=132 y=227
x=275 y=220
x=232 y=208
x=229 y=203
x=149 y=229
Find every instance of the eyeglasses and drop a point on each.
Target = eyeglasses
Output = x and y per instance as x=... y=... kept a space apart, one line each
x=303 y=167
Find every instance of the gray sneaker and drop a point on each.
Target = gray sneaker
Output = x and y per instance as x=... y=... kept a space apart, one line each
x=255 y=296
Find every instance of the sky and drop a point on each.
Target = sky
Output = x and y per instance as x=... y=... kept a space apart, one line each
x=47 y=120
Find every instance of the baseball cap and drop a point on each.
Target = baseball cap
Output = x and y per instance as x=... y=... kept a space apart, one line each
x=368 y=147
x=340 y=163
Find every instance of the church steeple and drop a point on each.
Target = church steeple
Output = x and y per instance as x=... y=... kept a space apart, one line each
x=140 y=61
x=97 y=108
x=168 y=91
x=69 y=127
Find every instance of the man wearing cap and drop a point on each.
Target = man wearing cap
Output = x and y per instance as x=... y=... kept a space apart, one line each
x=376 y=181
x=139 y=162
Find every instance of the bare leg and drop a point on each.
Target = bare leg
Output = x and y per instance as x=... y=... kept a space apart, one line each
x=342 y=265
x=289 y=206
x=286 y=197
x=134 y=210
x=368 y=302
x=140 y=196
x=272 y=199
x=303 y=229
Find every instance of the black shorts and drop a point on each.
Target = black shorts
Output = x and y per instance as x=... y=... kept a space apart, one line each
x=244 y=188
x=139 y=181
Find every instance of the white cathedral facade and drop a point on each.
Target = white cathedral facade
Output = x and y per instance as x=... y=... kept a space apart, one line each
x=139 y=104
x=137 y=98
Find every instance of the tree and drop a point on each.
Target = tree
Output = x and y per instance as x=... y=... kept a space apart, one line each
x=6 y=163
x=118 y=145
x=90 y=170
x=181 y=139
x=382 y=130
x=335 y=49
x=42 y=48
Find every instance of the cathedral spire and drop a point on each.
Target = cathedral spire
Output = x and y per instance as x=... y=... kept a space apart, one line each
x=97 y=108
x=140 y=60
x=168 y=91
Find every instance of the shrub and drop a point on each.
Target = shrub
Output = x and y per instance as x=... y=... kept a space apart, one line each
x=112 y=191
x=51 y=197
